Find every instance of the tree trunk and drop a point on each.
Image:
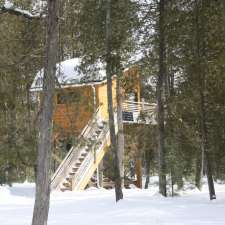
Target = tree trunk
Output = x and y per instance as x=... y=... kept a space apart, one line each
x=198 y=170
x=120 y=136
x=160 y=104
x=172 y=181
x=100 y=174
x=109 y=73
x=41 y=207
x=138 y=168
x=224 y=13
x=138 y=162
x=201 y=54
x=12 y=126
x=147 y=167
x=208 y=168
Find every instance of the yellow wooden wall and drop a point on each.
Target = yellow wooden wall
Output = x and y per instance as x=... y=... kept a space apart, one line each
x=72 y=118
x=101 y=92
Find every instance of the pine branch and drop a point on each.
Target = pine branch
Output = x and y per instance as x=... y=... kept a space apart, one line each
x=19 y=12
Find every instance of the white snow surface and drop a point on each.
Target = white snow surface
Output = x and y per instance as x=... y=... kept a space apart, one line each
x=98 y=207
x=69 y=72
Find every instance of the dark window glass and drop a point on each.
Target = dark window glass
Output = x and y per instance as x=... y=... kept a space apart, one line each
x=68 y=97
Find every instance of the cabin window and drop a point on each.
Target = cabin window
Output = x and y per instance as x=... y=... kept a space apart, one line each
x=68 y=97
x=132 y=97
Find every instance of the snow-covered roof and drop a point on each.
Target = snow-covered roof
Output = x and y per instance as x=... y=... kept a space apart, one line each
x=9 y=6
x=69 y=72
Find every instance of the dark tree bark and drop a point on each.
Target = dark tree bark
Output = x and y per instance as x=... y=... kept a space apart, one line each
x=160 y=102
x=41 y=207
x=198 y=170
x=224 y=13
x=120 y=136
x=109 y=73
x=205 y=149
x=147 y=167
x=205 y=144
x=201 y=53
x=138 y=163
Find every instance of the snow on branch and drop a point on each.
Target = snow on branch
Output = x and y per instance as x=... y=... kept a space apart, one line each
x=10 y=9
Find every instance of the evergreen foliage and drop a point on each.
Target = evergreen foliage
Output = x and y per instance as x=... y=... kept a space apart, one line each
x=193 y=83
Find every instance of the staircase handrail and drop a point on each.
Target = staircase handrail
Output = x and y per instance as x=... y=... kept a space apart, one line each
x=93 y=119
x=84 y=168
x=70 y=155
x=90 y=157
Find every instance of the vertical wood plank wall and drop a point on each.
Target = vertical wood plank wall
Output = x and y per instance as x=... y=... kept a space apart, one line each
x=72 y=118
x=102 y=98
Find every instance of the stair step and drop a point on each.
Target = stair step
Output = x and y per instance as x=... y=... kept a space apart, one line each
x=93 y=179
x=78 y=164
x=65 y=189
x=81 y=159
x=72 y=173
x=74 y=169
x=84 y=154
x=92 y=139
x=67 y=184
x=97 y=132
x=69 y=179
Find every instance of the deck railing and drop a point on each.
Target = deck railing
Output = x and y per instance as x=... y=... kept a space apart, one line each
x=139 y=112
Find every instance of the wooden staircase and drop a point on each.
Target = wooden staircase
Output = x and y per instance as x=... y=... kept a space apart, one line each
x=79 y=165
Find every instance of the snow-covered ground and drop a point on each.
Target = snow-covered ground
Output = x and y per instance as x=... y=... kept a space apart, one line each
x=98 y=207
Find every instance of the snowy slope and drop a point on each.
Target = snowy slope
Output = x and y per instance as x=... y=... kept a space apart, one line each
x=97 y=207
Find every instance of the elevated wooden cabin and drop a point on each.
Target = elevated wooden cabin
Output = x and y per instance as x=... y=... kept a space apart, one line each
x=78 y=95
x=80 y=103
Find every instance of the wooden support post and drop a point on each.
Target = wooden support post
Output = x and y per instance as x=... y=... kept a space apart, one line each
x=138 y=164
x=97 y=175
x=139 y=171
x=100 y=174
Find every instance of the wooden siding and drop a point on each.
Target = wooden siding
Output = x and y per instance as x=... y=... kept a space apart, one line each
x=101 y=91
x=71 y=118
